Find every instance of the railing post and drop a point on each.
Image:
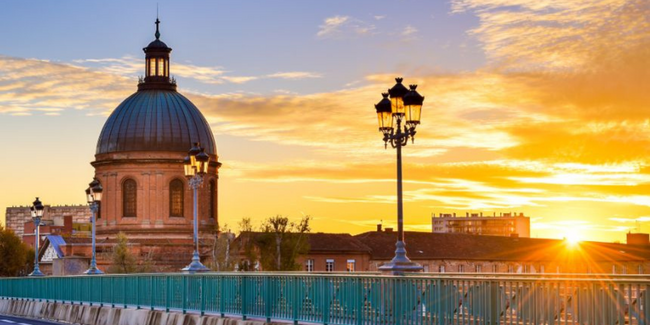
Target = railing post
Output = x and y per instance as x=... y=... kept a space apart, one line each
x=494 y=306
x=295 y=300
x=203 y=280
x=101 y=292
x=243 y=296
x=124 y=290
x=137 y=292
x=646 y=306
x=397 y=310
x=326 y=300
x=359 y=292
x=151 y=292
x=113 y=291
x=438 y=301
x=267 y=298
x=167 y=293
x=222 y=302
x=184 y=294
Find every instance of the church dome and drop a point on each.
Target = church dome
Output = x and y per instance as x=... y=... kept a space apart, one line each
x=156 y=117
x=155 y=120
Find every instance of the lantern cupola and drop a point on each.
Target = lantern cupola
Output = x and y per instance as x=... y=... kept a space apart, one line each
x=156 y=69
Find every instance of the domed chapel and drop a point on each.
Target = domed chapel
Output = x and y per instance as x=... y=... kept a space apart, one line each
x=139 y=162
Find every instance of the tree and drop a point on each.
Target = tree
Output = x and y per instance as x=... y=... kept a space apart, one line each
x=282 y=241
x=15 y=257
x=122 y=259
x=246 y=245
x=221 y=251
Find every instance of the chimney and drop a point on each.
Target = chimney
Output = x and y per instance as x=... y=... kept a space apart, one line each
x=481 y=214
x=67 y=224
x=379 y=227
x=389 y=229
x=454 y=214
x=467 y=214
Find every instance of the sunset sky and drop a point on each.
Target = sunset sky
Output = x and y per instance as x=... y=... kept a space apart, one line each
x=533 y=106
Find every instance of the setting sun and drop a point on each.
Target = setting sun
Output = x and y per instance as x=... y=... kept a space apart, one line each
x=573 y=237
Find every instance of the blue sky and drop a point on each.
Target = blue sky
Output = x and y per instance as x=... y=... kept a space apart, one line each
x=252 y=38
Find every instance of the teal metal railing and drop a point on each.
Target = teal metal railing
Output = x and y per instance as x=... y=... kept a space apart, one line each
x=359 y=299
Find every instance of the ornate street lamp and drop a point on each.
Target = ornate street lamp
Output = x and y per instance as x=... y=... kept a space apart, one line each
x=196 y=165
x=404 y=106
x=37 y=210
x=94 y=198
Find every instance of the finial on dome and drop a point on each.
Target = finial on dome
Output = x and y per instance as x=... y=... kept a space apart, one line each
x=157 y=30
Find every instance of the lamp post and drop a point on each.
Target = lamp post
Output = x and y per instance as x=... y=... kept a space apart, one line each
x=94 y=198
x=404 y=106
x=196 y=165
x=36 y=210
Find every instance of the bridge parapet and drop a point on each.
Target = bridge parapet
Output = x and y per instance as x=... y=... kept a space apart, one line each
x=357 y=299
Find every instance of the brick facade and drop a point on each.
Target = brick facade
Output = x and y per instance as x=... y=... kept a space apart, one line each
x=16 y=217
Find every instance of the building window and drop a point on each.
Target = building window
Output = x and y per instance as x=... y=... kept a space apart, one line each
x=349 y=266
x=152 y=67
x=329 y=265
x=495 y=268
x=176 y=198
x=441 y=269
x=541 y=269
x=624 y=269
x=478 y=268
x=614 y=269
x=129 y=198
x=511 y=269
x=309 y=265
x=161 y=67
x=526 y=268
x=425 y=268
x=461 y=268
x=640 y=269
x=211 y=189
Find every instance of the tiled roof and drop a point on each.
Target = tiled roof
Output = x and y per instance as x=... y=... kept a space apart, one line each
x=435 y=246
x=323 y=242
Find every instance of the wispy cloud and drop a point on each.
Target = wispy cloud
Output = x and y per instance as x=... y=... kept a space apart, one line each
x=409 y=33
x=344 y=27
x=130 y=67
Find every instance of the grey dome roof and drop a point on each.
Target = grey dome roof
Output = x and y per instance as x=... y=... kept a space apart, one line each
x=155 y=120
x=157 y=44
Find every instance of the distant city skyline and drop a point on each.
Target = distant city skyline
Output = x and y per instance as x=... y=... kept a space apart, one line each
x=533 y=107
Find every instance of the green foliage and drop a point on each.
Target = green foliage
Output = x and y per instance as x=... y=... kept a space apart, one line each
x=15 y=256
x=122 y=260
x=281 y=242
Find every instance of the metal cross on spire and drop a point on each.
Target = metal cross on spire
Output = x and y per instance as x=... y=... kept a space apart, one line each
x=157 y=30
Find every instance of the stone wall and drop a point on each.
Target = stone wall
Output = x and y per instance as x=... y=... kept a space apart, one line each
x=91 y=315
x=17 y=216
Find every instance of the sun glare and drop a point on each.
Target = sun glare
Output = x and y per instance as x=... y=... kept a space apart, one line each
x=572 y=237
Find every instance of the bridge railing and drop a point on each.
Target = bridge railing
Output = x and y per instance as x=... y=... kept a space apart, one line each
x=360 y=299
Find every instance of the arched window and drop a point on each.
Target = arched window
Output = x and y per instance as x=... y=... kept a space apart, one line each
x=176 y=198
x=129 y=198
x=212 y=188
